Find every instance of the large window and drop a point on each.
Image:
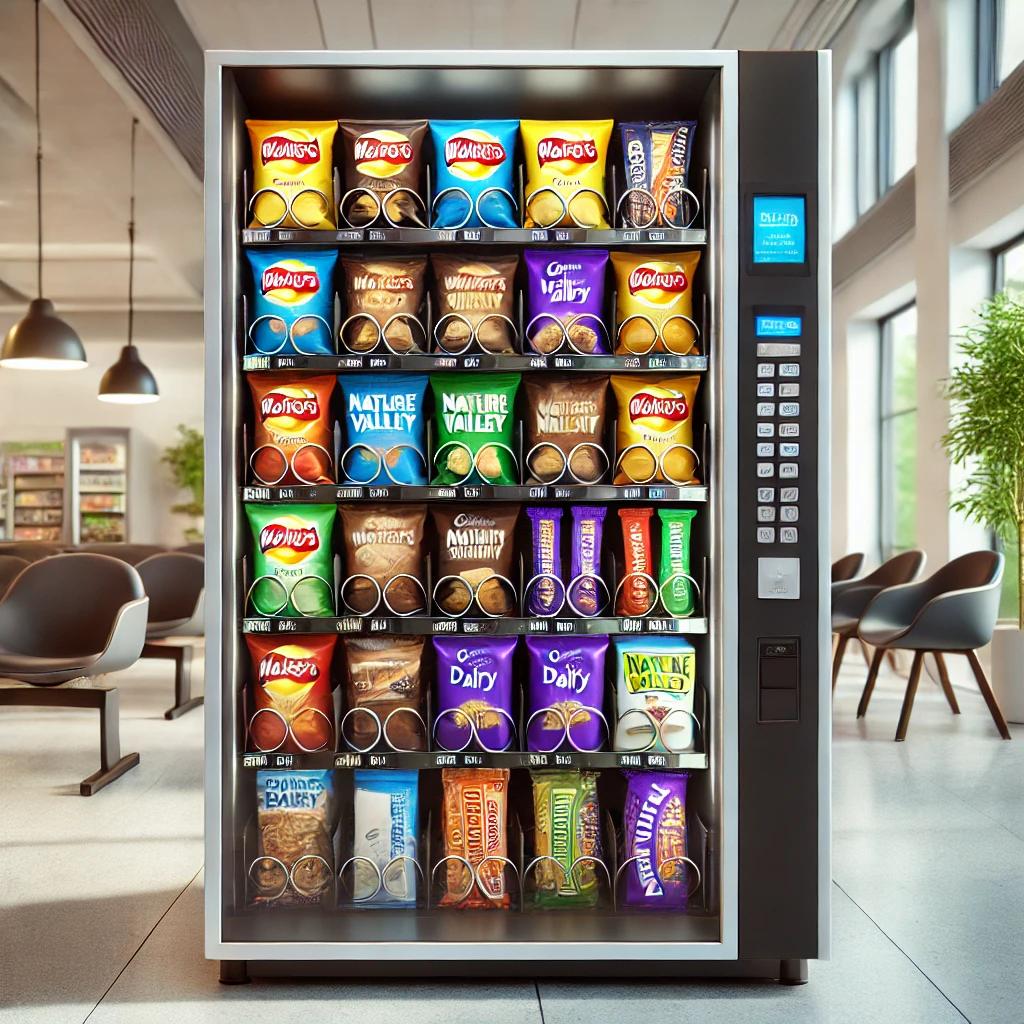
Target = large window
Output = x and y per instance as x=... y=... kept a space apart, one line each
x=898 y=431
x=1000 y=31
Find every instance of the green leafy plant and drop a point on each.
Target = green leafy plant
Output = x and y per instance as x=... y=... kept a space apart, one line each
x=186 y=461
x=986 y=428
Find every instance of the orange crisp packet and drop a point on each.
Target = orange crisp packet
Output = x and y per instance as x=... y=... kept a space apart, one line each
x=654 y=303
x=292 y=173
x=475 y=833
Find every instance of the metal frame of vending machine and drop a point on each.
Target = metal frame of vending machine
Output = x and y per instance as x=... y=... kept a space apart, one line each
x=761 y=778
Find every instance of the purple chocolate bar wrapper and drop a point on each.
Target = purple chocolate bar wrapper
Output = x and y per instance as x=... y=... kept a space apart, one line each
x=655 y=819
x=545 y=596
x=586 y=595
x=566 y=284
x=564 y=668
x=474 y=670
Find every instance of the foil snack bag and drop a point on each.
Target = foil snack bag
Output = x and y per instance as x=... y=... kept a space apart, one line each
x=384 y=559
x=565 y=692
x=565 y=167
x=291 y=710
x=292 y=562
x=473 y=168
x=656 y=157
x=565 y=419
x=567 y=836
x=293 y=430
x=655 y=819
x=565 y=300
x=475 y=817
x=655 y=429
x=587 y=594
x=475 y=420
x=473 y=686
x=382 y=164
x=384 y=693
x=654 y=303
x=292 y=311
x=675 y=588
x=654 y=684
x=383 y=299
x=385 y=841
x=475 y=303
x=292 y=173
x=384 y=428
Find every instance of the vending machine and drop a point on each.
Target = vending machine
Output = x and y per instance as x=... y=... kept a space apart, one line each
x=517 y=513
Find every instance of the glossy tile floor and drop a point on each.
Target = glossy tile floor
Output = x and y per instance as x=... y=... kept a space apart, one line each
x=102 y=897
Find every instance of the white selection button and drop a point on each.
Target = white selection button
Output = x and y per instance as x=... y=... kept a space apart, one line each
x=766 y=513
x=789 y=513
x=788 y=470
x=766 y=469
x=766 y=535
x=787 y=494
x=767 y=493
x=778 y=578
x=789 y=430
x=766 y=450
x=766 y=369
x=765 y=390
x=789 y=369
x=766 y=430
x=778 y=348
x=789 y=391
x=788 y=535
x=789 y=451
x=789 y=408
x=765 y=408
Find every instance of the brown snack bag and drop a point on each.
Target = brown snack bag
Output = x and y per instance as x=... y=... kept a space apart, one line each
x=474 y=543
x=383 y=675
x=475 y=296
x=476 y=829
x=385 y=544
x=383 y=299
x=565 y=427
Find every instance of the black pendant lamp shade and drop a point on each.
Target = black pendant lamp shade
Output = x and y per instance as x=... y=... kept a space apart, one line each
x=129 y=381
x=40 y=340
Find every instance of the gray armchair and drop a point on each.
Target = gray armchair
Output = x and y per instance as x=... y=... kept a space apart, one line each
x=30 y=550
x=10 y=568
x=133 y=554
x=952 y=612
x=71 y=617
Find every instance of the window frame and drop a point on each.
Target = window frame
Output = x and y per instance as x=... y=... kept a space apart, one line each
x=987 y=20
x=999 y=261
x=884 y=63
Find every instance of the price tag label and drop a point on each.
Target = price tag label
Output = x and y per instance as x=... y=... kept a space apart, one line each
x=631 y=362
x=378 y=760
x=538 y=363
x=348 y=493
x=351 y=624
x=536 y=760
x=631 y=236
x=350 y=235
x=287 y=626
x=445 y=760
x=378 y=362
x=471 y=362
x=472 y=235
x=564 y=625
x=380 y=492
x=256 y=494
x=538 y=492
x=631 y=625
x=472 y=760
x=629 y=760
x=259 y=235
x=445 y=626
x=256 y=625
x=254 y=761
x=538 y=625
x=446 y=235
x=563 y=759
x=378 y=625
x=347 y=760
x=373 y=235
x=657 y=761
x=471 y=492
x=657 y=236
x=283 y=761
x=539 y=235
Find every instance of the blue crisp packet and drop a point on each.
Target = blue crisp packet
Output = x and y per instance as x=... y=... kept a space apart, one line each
x=473 y=166
x=385 y=834
x=383 y=421
x=292 y=308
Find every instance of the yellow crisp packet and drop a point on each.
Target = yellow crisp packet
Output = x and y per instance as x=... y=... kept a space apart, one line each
x=565 y=173
x=292 y=173
x=654 y=437
x=654 y=303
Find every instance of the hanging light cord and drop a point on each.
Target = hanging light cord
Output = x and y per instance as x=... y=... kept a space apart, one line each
x=131 y=236
x=39 y=173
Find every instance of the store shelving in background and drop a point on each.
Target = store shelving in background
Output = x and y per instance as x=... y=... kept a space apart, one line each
x=34 y=492
x=98 y=487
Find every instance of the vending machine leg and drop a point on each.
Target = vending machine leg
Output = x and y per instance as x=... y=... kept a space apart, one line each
x=791 y=972
x=236 y=972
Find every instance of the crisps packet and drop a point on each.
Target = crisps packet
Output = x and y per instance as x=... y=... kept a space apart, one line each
x=384 y=693
x=384 y=428
x=383 y=297
x=660 y=877
x=654 y=303
x=292 y=562
x=674 y=585
x=565 y=165
x=475 y=837
x=293 y=430
x=292 y=174
x=566 y=839
x=474 y=692
x=654 y=436
x=293 y=711
x=564 y=427
x=386 y=827
x=475 y=428
x=654 y=683
x=475 y=303
x=473 y=166
x=292 y=310
x=382 y=163
x=656 y=156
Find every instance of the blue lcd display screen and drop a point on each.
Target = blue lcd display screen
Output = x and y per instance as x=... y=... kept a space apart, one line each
x=780 y=229
x=778 y=326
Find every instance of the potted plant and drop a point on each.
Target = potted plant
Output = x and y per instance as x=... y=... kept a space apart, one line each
x=186 y=461
x=986 y=435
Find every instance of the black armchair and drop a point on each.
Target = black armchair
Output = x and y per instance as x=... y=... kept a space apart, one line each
x=847 y=567
x=10 y=569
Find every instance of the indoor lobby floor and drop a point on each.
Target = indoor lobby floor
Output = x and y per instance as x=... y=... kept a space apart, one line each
x=102 y=897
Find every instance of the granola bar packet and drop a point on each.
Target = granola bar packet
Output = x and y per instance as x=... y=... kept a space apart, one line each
x=656 y=831
x=386 y=830
x=565 y=300
x=564 y=427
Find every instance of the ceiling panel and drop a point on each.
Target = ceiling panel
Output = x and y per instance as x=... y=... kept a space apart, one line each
x=755 y=23
x=256 y=24
x=649 y=24
x=346 y=25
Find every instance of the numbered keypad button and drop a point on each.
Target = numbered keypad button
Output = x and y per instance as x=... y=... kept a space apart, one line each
x=766 y=513
x=766 y=535
x=788 y=535
x=789 y=409
x=765 y=390
x=788 y=470
x=789 y=430
x=765 y=494
x=787 y=494
x=766 y=369
x=765 y=450
x=789 y=513
x=766 y=469
x=766 y=430
x=789 y=451
x=789 y=369
x=789 y=390
x=765 y=408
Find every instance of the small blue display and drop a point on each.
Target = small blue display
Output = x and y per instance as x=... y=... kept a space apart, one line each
x=778 y=326
x=780 y=229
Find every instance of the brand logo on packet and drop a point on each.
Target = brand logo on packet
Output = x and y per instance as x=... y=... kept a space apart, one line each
x=279 y=665
x=289 y=282
x=382 y=153
x=288 y=539
x=556 y=148
x=664 y=404
x=300 y=404
x=473 y=154
x=299 y=151
x=665 y=277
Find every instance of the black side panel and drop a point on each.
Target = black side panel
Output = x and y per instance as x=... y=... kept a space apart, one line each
x=778 y=655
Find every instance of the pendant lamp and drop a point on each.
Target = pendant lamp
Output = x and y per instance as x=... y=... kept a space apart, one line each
x=129 y=381
x=40 y=340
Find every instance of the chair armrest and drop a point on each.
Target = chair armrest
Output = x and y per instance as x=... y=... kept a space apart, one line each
x=851 y=598
x=127 y=638
x=892 y=610
x=960 y=620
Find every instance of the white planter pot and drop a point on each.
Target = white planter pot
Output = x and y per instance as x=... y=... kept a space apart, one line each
x=1008 y=670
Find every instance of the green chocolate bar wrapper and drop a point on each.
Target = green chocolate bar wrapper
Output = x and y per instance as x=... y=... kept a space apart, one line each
x=677 y=595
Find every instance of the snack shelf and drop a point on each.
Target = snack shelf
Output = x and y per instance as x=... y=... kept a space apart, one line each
x=475 y=236
x=695 y=760
x=433 y=626
x=320 y=493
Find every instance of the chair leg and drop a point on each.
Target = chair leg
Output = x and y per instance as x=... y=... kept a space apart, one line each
x=947 y=687
x=869 y=683
x=908 y=697
x=865 y=652
x=838 y=659
x=990 y=697
x=112 y=764
x=181 y=655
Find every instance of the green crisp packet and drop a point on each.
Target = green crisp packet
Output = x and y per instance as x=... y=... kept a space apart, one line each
x=676 y=590
x=292 y=561
x=567 y=836
x=475 y=421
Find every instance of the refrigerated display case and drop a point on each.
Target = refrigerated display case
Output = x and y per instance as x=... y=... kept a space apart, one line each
x=755 y=865
x=97 y=493
x=35 y=490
